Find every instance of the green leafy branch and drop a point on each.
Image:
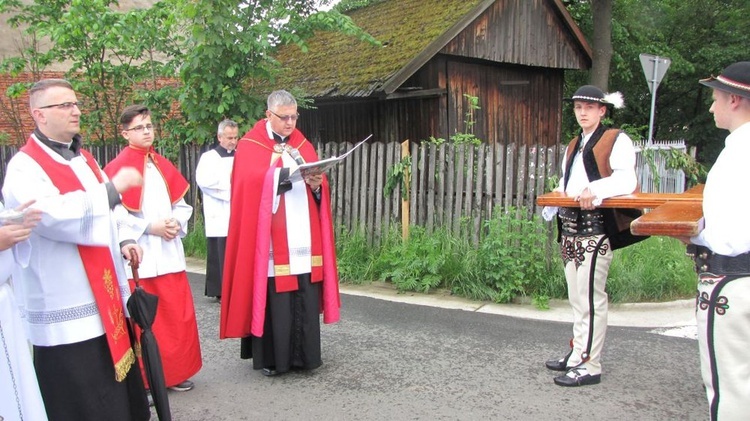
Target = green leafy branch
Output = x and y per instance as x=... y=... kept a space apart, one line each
x=398 y=175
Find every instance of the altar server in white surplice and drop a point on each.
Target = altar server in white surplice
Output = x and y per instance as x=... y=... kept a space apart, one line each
x=19 y=391
x=213 y=175
x=74 y=289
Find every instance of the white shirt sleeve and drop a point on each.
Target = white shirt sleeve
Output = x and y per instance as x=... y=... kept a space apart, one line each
x=623 y=179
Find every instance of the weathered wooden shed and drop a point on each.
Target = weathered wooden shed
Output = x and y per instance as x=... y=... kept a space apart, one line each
x=511 y=54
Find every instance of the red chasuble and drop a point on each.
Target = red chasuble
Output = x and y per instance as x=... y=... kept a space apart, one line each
x=131 y=156
x=252 y=229
x=97 y=262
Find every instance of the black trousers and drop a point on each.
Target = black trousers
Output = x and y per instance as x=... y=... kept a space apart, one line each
x=291 y=332
x=78 y=383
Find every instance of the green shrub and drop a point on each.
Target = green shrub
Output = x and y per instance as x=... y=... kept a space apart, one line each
x=354 y=256
x=195 y=242
x=422 y=262
x=511 y=257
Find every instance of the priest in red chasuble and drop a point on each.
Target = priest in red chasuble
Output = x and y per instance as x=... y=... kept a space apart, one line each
x=280 y=265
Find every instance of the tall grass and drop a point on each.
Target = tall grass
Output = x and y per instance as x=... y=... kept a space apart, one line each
x=656 y=269
x=514 y=258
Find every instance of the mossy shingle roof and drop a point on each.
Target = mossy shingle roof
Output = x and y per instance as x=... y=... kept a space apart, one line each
x=339 y=65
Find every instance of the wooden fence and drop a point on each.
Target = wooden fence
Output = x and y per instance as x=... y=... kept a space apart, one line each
x=453 y=187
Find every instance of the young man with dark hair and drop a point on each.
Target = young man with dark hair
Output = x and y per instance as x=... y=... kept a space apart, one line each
x=158 y=218
x=598 y=164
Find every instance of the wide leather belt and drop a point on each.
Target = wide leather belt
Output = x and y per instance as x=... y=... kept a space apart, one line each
x=577 y=222
x=708 y=261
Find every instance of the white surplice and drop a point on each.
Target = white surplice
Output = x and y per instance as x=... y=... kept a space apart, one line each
x=213 y=175
x=54 y=292
x=160 y=256
x=20 y=398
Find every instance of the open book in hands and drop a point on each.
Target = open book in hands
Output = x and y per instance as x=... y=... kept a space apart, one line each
x=319 y=167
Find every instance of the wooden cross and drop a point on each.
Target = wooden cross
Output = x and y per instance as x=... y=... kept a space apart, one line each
x=672 y=214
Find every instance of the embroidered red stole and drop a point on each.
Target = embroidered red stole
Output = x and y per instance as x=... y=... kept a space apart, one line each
x=97 y=262
x=131 y=156
x=275 y=223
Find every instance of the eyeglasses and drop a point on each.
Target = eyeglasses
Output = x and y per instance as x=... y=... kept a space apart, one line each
x=141 y=128
x=286 y=118
x=64 y=105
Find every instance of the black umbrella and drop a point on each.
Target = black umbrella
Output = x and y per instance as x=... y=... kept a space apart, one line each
x=142 y=307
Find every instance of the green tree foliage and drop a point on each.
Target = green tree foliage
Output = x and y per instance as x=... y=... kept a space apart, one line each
x=112 y=55
x=228 y=63
x=701 y=37
x=221 y=51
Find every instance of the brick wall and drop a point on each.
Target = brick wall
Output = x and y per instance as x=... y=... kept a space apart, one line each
x=15 y=118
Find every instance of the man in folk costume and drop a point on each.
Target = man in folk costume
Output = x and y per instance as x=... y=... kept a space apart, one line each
x=158 y=218
x=598 y=164
x=213 y=175
x=20 y=398
x=722 y=253
x=280 y=267
x=74 y=290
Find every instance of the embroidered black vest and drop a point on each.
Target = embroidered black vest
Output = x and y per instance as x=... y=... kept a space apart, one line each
x=595 y=157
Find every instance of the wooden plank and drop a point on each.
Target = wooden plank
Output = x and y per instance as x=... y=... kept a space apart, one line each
x=450 y=191
x=489 y=181
x=674 y=219
x=421 y=196
x=499 y=177
x=478 y=189
x=396 y=208
x=413 y=174
x=370 y=203
x=468 y=206
x=509 y=176
x=362 y=186
x=388 y=200
x=431 y=166
x=520 y=177
x=459 y=180
x=541 y=174
x=350 y=201
x=378 y=192
x=634 y=201
x=440 y=189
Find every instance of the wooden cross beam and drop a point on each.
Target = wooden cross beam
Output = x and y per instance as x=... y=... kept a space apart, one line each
x=672 y=214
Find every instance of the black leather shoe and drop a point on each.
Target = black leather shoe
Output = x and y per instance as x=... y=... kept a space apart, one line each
x=557 y=365
x=560 y=364
x=269 y=372
x=577 y=377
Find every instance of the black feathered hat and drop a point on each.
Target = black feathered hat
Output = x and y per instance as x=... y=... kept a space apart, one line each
x=590 y=93
x=735 y=79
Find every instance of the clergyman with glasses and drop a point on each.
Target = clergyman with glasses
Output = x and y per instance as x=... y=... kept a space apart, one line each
x=158 y=219
x=74 y=289
x=280 y=263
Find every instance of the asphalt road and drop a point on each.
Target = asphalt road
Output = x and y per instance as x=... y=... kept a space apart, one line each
x=393 y=361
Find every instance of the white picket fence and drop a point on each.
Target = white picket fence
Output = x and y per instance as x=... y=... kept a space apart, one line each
x=665 y=180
